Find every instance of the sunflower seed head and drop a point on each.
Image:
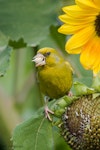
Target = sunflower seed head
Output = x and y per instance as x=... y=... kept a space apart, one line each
x=81 y=124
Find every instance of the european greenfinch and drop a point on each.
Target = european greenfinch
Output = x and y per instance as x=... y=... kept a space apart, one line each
x=54 y=74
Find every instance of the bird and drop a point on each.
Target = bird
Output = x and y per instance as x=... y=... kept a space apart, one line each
x=54 y=74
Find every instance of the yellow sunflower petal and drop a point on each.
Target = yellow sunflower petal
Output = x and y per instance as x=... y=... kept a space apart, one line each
x=80 y=38
x=73 y=21
x=82 y=20
x=86 y=4
x=97 y=3
x=90 y=56
x=70 y=29
x=96 y=70
x=72 y=9
x=76 y=12
x=76 y=51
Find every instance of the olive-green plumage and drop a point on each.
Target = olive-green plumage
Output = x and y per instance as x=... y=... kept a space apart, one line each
x=54 y=73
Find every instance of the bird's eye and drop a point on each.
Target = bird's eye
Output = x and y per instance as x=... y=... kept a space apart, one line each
x=47 y=54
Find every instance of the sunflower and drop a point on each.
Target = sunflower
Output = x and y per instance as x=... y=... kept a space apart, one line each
x=82 y=21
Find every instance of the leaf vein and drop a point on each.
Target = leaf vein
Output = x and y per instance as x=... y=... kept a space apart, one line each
x=38 y=132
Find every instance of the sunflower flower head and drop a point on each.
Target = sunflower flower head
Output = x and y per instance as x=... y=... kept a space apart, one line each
x=82 y=21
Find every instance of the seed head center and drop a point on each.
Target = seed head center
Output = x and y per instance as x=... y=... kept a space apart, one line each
x=97 y=25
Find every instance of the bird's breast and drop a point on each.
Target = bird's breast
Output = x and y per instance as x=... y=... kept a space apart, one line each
x=55 y=81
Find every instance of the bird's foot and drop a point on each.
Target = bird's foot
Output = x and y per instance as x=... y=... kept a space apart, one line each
x=47 y=112
x=70 y=94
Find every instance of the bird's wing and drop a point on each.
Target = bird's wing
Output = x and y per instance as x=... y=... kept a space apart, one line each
x=68 y=64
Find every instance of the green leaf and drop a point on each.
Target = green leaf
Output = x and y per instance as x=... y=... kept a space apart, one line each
x=3 y=41
x=4 y=60
x=5 y=52
x=28 y=19
x=60 y=142
x=17 y=44
x=82 y=89
x=54 y=39
x=35 y=133
x=80 y=73
x=96 y=83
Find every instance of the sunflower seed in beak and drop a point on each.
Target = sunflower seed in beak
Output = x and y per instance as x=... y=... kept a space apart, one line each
x=39 y=60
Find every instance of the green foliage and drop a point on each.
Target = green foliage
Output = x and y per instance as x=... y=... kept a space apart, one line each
x=4 y=60
x=36 y=133
x=96 y=83
x=28 y=19
x=31 y=135
x=5 y=52
x=80 y=74
x=54 y=39
x=82 y=89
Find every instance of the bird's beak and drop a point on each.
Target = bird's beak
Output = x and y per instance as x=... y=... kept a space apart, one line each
x=39 y=59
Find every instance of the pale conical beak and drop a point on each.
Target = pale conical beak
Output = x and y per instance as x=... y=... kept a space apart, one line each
x=39 y=59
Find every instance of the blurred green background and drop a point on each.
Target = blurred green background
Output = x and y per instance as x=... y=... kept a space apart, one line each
x=25 y=27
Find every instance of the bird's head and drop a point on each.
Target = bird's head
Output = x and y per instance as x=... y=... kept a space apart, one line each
x=47 y=56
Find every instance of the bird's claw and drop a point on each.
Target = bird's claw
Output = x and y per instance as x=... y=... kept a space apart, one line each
x=70 y=94
x=47 y=112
